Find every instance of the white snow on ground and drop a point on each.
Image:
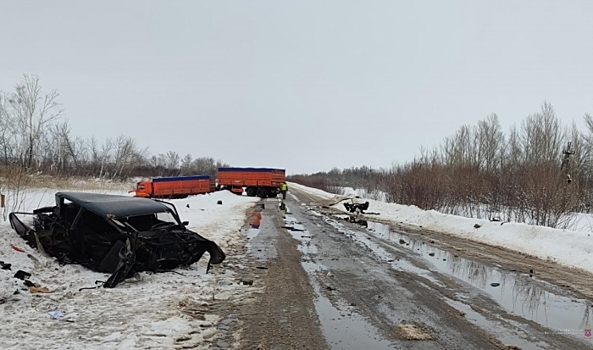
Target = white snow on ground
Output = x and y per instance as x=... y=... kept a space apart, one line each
x=353 y=192
x=567 y=247
x=314 y=191
x=163 y=310
x=171 y=310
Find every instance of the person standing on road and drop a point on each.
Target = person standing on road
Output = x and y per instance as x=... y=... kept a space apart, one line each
x=283 y=189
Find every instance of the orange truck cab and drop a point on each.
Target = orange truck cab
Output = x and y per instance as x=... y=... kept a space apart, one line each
x=175 y=186
x=261 y=182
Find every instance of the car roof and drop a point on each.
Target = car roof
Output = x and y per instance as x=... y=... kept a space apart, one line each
x=107 y=205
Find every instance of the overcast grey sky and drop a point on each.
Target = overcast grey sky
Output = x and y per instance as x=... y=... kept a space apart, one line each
x=301 y=85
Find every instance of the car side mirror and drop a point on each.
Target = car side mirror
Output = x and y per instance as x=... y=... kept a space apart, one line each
x=185 y=223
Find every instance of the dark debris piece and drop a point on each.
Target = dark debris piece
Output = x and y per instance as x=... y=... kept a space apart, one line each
x=22 y=275
x=5 y=266
x=356 y=207
x=29 y=283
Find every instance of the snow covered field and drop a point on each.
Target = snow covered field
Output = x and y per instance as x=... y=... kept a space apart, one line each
x=174 y=310
x=567 y=247
x=164 y=310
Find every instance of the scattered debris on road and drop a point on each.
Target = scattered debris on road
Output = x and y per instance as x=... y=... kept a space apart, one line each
x=358 y=208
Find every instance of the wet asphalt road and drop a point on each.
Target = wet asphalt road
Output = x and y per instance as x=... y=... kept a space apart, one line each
x=374 y=288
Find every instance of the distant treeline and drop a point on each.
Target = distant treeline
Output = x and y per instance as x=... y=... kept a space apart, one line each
x=539 y=172
x=36 y=138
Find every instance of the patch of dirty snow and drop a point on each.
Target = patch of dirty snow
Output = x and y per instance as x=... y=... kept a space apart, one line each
x=146 y=311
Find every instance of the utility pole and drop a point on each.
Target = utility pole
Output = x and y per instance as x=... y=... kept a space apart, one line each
x=568 y=151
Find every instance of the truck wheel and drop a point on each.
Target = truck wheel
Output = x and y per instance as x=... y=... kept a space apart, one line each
x=250 y=191
x=261 y=192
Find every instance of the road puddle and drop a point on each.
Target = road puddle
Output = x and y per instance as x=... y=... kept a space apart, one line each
x=257 y=240
x=499 y=331
x=342 y=327
x=518 y=293
x=252 y=233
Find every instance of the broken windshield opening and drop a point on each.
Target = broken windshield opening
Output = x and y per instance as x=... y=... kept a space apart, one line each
x=151 y=221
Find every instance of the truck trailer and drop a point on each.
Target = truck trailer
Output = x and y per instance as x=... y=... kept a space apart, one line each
x=261 y=182
x=175 y=186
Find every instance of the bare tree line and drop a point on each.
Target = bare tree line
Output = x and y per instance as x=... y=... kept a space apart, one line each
x=529 y=174
x=36 y=138
x=538 y=173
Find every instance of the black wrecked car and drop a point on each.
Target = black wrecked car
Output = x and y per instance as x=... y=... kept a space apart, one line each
x=114 y=234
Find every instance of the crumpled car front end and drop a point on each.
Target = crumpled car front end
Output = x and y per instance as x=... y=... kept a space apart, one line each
x=115 y=234
x=167 y=249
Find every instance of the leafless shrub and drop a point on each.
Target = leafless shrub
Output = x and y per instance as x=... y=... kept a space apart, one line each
x=13 y=183
x=539 y=173
x=35 y=137
x=477 y=174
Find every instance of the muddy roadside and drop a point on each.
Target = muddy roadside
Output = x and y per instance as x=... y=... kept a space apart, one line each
x=277 y=309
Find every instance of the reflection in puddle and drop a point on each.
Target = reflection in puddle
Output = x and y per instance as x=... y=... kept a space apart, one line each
x=404 y=265
x=517 y=293
x=252 y=233
x=257 y=240
x=342 y=327
x=497 y=330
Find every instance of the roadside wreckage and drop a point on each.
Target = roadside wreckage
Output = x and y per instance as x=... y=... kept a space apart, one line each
x=114 y=234
x=358 y=208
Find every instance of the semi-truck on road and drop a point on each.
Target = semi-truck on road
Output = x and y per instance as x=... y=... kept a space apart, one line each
x=261 y=182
